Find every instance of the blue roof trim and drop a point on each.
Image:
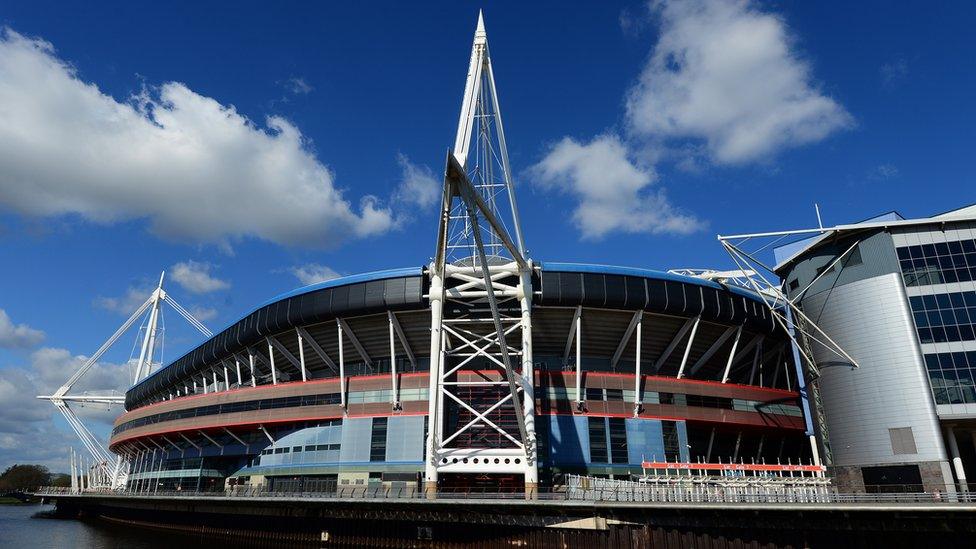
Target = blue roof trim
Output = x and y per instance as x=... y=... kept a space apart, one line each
x=645 y=273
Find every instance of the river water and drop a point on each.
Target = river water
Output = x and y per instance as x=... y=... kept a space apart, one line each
x=28 y=526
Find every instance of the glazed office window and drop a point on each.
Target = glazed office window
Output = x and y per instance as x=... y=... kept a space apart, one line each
x=945 y=317
x=377 y=444
x=938 y=263
x=231 y=407
x=553 y=394
x=672 y=444
x=618 y=440
x=598 y=440
x=952 y=376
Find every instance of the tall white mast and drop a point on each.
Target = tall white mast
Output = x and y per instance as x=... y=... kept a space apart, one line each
x=115 y=470
x=480 y=301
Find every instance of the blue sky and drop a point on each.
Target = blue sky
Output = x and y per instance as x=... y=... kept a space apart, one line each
x=239 y=146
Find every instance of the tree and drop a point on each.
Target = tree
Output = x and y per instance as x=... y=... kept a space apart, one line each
x=60 y=479
x=24 y=477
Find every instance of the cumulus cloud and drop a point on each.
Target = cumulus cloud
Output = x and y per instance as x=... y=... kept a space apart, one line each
x=17 y=336
x=893 y=72
x=298 y=86
x=418 y=185
x=27 y=428
x=196 y=169
x=311 y=273
x=725 y=72
x=127 y=303
x=883 y=172
x=613 y=192
x=203 y=314
x=195 y=277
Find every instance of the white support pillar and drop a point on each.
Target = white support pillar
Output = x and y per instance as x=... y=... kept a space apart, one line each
x=580 y=400
x=728 y=365
x=237 y=366
x=226 y=378
x=638 y=398
x=274 y=374
x=301 y=355
x=216 y=385
x=394 y=394
x=342 y=368
x=204 y=377
x=691 y=340
x=950 y=438
x=250 y=359
x=528 y=382
x=436 y=294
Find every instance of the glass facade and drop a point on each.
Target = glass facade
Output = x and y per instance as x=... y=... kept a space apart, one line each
x=938 y=263
x=551 y=394
x=945 y=317
x=952 y=377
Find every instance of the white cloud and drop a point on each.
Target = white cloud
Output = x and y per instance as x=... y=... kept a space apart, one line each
x=298 y=86
x=724 y=72
x=313 y=272
x=203 y=314
x=27 y=428
x=195 y=277
x=614 y=193
x=883 y=172
x=418 y=185
x=17 y=336
x=894 y=72
x=125 y=304
x=196 y=169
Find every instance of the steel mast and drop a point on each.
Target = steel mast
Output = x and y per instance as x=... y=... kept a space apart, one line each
x=115 y=471
x=481 y=302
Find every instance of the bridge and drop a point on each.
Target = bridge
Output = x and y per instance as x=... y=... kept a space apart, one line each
x=395 y=519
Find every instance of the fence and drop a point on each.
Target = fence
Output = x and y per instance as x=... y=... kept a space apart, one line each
x=577 y=489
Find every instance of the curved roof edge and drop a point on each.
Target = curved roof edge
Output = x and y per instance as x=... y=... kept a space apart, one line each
x=645 y=273
x=331 y=283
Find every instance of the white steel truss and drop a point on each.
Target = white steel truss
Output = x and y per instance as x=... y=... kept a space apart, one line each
x=480 y=299
x=105 y=470
x=809 y=341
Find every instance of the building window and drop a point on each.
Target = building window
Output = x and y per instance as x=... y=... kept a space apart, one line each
x=853 y=258
x=618 y=440
x=828 y=268
x=377 y=445
x=794 y=284
x=672 y=445
x=952 y=376
x=938 y=263
x=945 y=317
x=598 y=440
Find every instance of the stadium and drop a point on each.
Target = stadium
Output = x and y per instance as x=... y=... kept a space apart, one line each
x=330 y=383
x=482 y=370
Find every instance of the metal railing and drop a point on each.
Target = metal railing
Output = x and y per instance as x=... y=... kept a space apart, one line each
x=674 y=494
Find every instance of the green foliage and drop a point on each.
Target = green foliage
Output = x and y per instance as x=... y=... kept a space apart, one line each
x=24 y=477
